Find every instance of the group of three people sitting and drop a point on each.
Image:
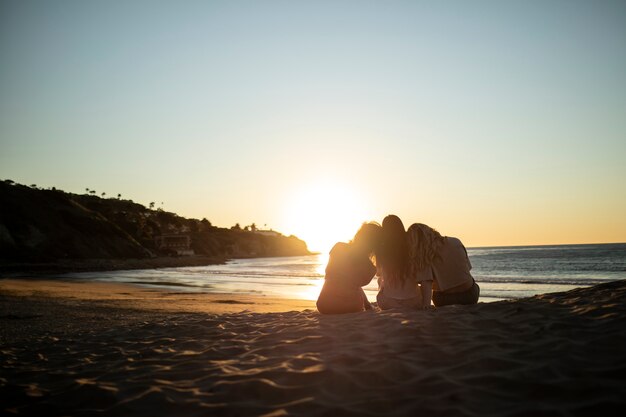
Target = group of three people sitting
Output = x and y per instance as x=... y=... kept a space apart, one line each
x=414 y=268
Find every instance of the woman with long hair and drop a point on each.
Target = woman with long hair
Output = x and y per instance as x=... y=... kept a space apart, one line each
x=440 y=262
x=349 y=269
x=396 y=288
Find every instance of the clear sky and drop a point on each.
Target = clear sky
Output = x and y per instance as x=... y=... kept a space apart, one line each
x=499 y=122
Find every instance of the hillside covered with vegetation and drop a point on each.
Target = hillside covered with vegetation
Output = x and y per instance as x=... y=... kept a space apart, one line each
x=46 y=225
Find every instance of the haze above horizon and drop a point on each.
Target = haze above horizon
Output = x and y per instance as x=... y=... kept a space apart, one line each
x=501 y=124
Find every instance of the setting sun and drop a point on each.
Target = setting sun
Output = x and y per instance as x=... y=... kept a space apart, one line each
x=324 y=213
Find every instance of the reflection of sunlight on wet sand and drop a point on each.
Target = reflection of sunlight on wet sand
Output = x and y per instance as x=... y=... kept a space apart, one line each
x=312 y=291
x=323 y=260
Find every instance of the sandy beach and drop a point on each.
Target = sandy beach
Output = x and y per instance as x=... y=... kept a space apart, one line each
x=79 y=349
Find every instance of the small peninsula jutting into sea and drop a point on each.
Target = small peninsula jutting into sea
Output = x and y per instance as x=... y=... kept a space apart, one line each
x=49 y=230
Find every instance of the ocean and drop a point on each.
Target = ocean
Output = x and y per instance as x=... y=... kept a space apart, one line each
x=502 y=272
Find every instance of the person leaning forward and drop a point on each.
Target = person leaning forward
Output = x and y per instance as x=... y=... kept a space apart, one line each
x=441 y=261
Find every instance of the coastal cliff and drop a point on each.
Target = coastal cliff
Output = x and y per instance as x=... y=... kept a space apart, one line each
x=38 y=225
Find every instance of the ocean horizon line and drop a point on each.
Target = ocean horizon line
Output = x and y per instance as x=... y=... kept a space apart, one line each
x=545 y=245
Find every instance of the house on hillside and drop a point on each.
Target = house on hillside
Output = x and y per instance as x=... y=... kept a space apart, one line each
x=179 y=243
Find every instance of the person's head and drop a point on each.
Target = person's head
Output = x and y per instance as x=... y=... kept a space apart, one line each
x=393 y=226
x=368 y=238
x=392 y=256
x=424 y=243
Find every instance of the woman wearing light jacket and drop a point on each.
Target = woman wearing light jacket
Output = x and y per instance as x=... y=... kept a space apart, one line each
x=441 y=266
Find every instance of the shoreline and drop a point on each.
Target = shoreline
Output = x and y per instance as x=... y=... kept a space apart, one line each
x=24 y=269
x=13 y=269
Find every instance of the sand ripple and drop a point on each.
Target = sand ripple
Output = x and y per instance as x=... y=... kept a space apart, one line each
x=551 y=355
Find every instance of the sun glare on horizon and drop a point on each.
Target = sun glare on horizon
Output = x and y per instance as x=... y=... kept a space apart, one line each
x=325 y=213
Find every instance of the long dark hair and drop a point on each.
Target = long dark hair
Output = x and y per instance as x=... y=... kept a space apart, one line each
x=393 y=254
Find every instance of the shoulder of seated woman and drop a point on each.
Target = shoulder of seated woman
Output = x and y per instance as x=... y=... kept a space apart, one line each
x=346 y=251
x=340 y=248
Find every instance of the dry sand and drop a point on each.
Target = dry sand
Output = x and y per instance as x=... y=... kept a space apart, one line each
x=117 y=350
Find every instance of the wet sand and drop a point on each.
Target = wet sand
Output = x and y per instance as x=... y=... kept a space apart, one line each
x=117 y=350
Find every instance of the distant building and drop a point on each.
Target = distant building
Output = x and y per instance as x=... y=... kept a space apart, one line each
x=267 y=232
x=180 y=243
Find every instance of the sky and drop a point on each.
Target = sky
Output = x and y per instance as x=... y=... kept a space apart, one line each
x=499 y=122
